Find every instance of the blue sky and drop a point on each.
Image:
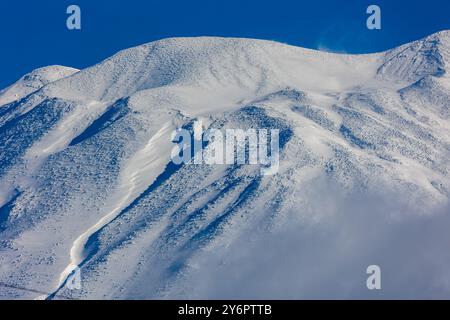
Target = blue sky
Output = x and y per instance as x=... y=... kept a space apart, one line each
x=34 y=33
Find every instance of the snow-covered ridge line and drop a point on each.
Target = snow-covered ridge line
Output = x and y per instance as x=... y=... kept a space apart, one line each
x=140 y=172
x=172 y=61
x=81 y=154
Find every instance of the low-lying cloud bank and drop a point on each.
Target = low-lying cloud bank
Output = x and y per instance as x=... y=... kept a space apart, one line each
x=325 y=253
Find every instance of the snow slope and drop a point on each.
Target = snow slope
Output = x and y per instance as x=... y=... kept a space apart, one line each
x=33 y=81
x=87 y=179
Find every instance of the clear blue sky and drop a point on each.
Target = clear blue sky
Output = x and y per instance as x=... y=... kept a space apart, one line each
x=33 y=33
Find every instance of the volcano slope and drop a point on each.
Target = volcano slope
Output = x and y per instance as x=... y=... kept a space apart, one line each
x=87 y=179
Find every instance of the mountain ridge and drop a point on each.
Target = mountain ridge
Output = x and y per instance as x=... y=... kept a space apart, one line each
x=34 y=81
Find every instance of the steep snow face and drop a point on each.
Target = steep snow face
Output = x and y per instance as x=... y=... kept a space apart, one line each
x=34 y=81
x=87 y=160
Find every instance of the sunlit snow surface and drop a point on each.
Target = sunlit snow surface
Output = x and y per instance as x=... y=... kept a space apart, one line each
x=87 y=180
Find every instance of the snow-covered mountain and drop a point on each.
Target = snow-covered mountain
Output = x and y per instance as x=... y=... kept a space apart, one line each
x=87 y=179
x=33 y=81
